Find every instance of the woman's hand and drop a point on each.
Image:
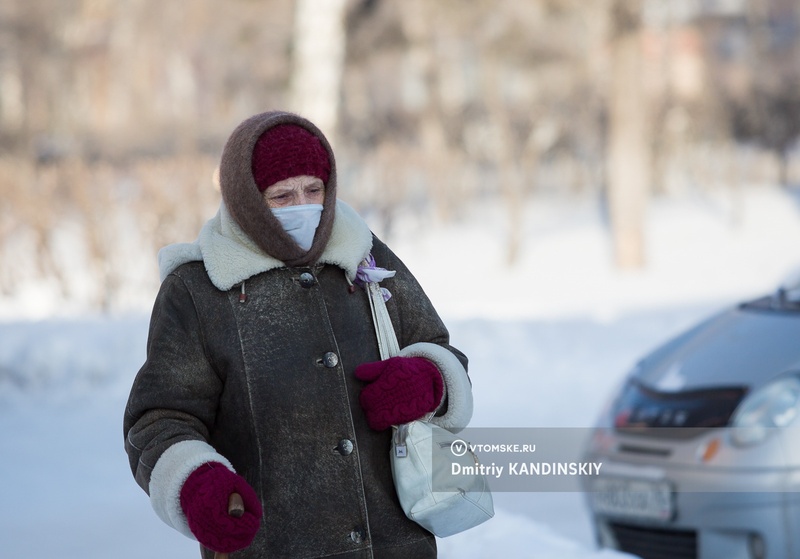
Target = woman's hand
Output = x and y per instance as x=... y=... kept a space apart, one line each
x=400 y=389
x=205 y=500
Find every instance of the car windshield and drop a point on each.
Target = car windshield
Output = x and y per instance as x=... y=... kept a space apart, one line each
x=785 y=298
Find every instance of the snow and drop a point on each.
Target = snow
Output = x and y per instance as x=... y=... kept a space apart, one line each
x=548 y=338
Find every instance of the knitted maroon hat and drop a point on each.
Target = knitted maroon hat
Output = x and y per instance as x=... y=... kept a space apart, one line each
x=288 y=150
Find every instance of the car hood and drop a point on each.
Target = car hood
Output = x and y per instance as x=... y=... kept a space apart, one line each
x=743 y=347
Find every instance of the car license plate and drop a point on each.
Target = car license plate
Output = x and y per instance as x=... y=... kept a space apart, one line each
x=616 y=496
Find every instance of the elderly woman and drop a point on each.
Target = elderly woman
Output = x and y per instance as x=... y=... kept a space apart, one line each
x=263 y=377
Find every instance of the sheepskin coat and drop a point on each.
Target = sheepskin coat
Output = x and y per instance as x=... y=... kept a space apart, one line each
x=250 y=363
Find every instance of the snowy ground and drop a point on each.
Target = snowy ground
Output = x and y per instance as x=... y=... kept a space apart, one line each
x=548 y=340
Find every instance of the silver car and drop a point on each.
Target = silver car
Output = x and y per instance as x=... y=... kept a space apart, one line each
x=701 y=446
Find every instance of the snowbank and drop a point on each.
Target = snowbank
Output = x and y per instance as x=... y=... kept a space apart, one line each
x=548 y=340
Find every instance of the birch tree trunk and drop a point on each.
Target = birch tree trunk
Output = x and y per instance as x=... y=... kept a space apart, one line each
x=629 y=137
x=318 y=61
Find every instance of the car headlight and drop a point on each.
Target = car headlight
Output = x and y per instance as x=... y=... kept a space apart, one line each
x=774 y=405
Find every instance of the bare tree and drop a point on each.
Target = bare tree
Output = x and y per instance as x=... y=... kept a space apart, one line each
x=318 y=61
x=628 y=157
x=767 y=113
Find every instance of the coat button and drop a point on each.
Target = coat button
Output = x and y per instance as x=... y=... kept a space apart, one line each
x=345 y=447
x=330 y=359
x=307 y=279
x=357 y=535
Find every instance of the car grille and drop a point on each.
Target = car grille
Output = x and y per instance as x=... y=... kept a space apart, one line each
x=656 y=543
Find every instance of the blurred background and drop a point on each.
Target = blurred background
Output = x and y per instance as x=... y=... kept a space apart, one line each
x=572 y=182
x=113 y=115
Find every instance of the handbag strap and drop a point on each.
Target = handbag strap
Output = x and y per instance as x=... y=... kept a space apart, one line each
x=387 y=341
x=384 y=330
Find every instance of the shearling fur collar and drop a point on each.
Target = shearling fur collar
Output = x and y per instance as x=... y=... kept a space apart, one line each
x=231 y=257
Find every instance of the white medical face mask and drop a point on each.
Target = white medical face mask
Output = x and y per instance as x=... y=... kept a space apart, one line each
x=300 y=222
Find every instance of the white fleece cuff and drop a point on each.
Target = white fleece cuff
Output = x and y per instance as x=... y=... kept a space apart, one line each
x=169 y=475
x=458 y=389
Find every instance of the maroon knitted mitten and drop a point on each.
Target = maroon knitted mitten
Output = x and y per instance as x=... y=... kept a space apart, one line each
x=400 y=389
x=204 y=500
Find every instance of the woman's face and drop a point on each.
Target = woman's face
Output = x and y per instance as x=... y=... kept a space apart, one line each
x=295 y=191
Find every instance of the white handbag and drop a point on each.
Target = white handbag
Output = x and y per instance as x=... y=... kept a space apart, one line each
x=422 y=459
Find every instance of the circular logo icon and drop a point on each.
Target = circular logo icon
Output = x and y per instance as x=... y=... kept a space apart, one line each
x=459 y=447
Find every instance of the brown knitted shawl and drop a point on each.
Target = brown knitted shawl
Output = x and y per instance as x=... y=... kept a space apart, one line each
x=245 y=202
